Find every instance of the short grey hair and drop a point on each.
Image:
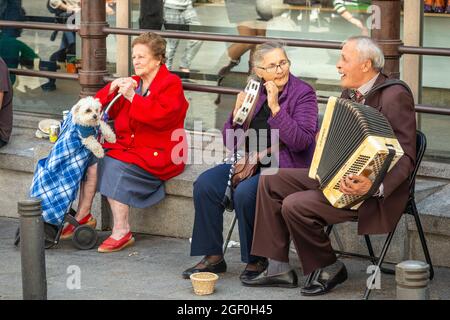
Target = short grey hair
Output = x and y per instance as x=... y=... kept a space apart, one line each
x=368 y=50
x=258 y=55
x=262 y=49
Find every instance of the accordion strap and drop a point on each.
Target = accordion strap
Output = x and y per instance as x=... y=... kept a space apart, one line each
x=388 y=83
x=378 y=180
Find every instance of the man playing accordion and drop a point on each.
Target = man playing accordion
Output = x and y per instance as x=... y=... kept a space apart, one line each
x=290 y=205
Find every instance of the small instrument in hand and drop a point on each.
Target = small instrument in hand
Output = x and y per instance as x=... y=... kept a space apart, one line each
x=244 y=114
x=354 y=139
x=252 y=91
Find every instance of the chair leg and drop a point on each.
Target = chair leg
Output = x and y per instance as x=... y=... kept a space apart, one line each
x=373 y=258
x=380 y=262
x=230 y=232
x=423 y=241
x=370 y=248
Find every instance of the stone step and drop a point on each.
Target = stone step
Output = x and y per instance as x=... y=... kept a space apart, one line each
x=174 y=216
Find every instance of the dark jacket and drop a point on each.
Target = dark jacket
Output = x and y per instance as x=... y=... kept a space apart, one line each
x=380 y=215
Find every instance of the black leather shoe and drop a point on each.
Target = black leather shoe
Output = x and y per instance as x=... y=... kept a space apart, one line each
x=218 y=267
x=248 y=274
x=325 y=282
x=286 y=280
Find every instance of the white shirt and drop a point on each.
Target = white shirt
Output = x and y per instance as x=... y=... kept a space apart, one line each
x=365 y=88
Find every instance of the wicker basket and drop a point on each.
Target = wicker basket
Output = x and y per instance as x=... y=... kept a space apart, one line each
x=203 y=282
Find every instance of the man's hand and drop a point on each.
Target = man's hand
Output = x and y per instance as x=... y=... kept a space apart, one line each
x=355 y=185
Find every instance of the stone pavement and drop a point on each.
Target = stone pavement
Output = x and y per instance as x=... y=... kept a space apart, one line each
x=151 y=270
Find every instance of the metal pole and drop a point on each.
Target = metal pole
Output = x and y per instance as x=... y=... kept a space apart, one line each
x=34 y=281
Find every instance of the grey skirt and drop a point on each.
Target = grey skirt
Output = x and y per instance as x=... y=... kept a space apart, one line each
x=128 y=183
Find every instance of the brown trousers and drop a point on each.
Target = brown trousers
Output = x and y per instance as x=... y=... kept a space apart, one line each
x=290 y=205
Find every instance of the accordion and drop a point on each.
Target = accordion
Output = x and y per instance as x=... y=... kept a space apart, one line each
x=353 y=139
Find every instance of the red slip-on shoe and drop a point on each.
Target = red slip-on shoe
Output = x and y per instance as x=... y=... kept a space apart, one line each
x=69 y=229
x=113 y=245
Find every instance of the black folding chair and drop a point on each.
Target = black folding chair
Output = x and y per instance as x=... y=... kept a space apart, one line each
x=230 y=232
x=411 y=208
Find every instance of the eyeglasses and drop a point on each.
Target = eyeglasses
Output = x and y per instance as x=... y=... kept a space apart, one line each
x=273 y=68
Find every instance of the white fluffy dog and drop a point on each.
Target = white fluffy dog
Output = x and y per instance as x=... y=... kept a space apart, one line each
x=87 y=114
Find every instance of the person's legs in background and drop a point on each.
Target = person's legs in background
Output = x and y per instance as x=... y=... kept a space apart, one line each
x=428 y=6
x=67 y=47
x=235 y=51
x=190 y=17
x=439 y=6
x=174 y=21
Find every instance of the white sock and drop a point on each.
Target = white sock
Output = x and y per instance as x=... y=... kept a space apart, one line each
x=277 y=267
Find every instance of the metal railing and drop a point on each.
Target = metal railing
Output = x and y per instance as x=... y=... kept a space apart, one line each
x=212 y=37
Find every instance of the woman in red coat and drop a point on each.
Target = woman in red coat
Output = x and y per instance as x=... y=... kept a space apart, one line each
x=151 y=110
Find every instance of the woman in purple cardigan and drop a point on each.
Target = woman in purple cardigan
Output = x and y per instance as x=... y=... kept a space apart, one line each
x=287 y=108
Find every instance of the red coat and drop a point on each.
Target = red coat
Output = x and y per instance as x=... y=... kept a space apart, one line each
x=144 y=127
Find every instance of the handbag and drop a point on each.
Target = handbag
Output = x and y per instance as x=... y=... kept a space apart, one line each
x=245 y=168
x=248 y=165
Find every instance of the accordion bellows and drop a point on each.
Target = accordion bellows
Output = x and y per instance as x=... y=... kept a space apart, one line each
x=353 y=138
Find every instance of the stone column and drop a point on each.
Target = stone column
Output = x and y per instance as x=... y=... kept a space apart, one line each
x=388 y=34
x=93 y=46
x=123 y=42
x=413 y=36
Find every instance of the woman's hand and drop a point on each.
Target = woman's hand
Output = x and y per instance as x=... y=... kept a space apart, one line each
x=126 y=88
x=272 y=97
x=239 y=101
x=115 y=84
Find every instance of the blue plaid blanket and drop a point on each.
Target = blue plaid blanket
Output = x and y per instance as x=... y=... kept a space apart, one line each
x=57 y=177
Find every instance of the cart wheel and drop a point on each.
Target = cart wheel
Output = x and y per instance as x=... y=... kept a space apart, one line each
x=84 y=237
x=50 y=232
x=17 y=237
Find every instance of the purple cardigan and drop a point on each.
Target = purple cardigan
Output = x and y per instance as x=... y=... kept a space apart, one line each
x=297 y=122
